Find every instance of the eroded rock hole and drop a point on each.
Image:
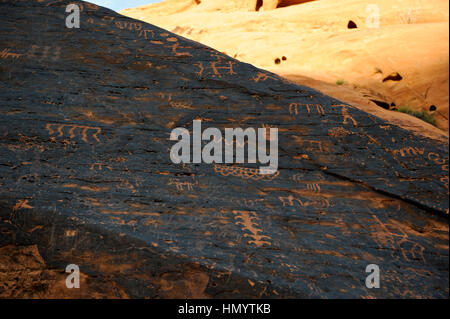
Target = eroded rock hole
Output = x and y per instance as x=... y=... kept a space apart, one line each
x=351 y=25
x=393 y=77
x=259 y=4
x=277 y=61
x=433 y=108
x=287 y=3
x=382 y=104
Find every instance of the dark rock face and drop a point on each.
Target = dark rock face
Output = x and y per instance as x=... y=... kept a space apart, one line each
x=86 y=176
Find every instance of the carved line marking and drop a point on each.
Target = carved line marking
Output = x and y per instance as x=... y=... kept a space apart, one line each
x=58 y=128
x=181 y=185
x=5 y=54
x=263 y=77
x=294 y=108
x=411 y=151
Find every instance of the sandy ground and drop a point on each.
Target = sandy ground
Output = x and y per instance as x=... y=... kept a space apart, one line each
x=402 y=62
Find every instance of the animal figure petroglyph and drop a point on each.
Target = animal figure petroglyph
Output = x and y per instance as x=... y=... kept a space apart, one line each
x=292 y=201
x=247 y=219
x=245 y=173
x=397 y=242
x=54 y=129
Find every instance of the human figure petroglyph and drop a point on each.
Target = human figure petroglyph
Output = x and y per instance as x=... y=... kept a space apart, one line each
x=248 y=221
x=54 y=129
x=243 y=172
x=345 y=114
x=294 y=108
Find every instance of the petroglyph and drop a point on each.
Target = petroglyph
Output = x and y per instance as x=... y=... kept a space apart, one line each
x=292 y=201
x=409 y=151
x=177 y=45
x=180 y=105
x=218 y=68
x=99 y=167
x=45 y=52
x=400 y=241
x=6 y=54
x=182 y=185
x=309 y=145
x=313 y=188
x=245 y=173
x=264 y=77
x=248 y=221
x=347 y=117
x=251 y=203
x=315 y=108
x=132 y=26
x=438 y=160
x=338 y=132
x=74 y=131
x=145 y=34
x=22 y=204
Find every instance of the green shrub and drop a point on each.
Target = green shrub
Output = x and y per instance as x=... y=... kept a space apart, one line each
x=423 y=115
x=340 y=82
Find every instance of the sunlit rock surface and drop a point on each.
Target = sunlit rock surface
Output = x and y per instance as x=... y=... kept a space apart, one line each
x=86 y=177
